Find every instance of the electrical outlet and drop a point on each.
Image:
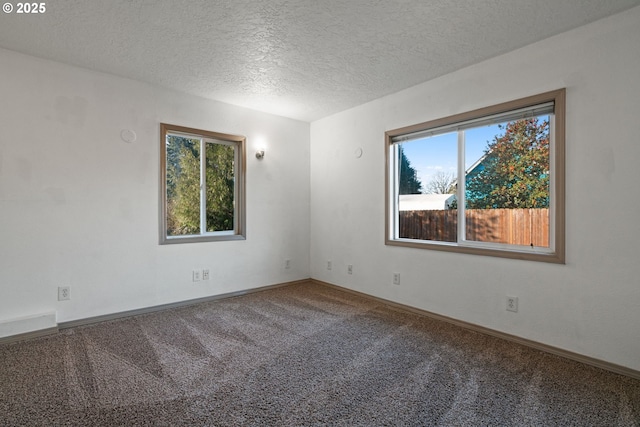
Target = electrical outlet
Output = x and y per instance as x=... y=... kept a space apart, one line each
x=329 y=265
x=197 y=275
x=287 y=264
x=349 y=269
x=512 y=304
x=396 y=278
x=205 y=274
x=64 y=293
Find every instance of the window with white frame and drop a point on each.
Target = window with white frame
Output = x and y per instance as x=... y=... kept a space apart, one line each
x=202 y=185
x=487 y=182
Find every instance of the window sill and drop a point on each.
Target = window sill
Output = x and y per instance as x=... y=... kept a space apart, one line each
x=213 y=237
x=535 y=254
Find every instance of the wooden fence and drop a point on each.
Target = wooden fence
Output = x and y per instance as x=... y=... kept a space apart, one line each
x=511 y=226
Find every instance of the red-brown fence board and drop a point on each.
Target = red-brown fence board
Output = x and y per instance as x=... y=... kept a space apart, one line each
x=511 y=226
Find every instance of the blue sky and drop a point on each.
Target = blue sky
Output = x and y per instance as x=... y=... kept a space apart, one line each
x=439 y=153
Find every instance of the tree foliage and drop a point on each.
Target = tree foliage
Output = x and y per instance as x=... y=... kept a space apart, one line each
x=408 y=182
x=220 y=186
x=515 y=170
x=183 y=186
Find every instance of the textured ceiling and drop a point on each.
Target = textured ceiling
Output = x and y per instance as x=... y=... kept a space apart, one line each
x=304 y=59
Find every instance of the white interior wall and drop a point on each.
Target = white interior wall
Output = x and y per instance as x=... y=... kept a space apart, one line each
x=588 y=306
x=79 y=206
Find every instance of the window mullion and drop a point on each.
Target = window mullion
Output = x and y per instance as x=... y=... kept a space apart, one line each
x=395 y=182
x=203 y=187
x=461 y=190
x=552 y=180
x=236 y=189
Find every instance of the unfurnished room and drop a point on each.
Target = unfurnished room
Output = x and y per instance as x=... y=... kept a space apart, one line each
x=310 y=213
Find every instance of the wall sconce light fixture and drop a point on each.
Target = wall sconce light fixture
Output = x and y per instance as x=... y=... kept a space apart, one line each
x=260 y=154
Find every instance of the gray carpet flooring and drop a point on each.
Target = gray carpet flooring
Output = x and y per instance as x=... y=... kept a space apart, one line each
x=301 y=355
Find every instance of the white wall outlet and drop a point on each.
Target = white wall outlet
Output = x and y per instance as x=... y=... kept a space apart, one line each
x=396 y=278
x=329 y=265
x=349 y=269
x=287 y=264
x=64 y=293
x=205 y=274
x=512 y=304
x=197 y=275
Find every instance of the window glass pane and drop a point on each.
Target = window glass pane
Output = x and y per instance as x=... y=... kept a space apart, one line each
x=220 y=185
x=183 y=185
x=426 y=183
x=507 y=182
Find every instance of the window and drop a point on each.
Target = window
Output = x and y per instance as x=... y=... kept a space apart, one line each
x=486 y=182
x=202 y=185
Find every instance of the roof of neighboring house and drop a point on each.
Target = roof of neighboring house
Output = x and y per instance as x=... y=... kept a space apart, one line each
x=424 y=202
x=470 y=169
x=475 y=165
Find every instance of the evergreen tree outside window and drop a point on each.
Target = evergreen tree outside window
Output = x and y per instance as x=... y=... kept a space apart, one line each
x=408 y=182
